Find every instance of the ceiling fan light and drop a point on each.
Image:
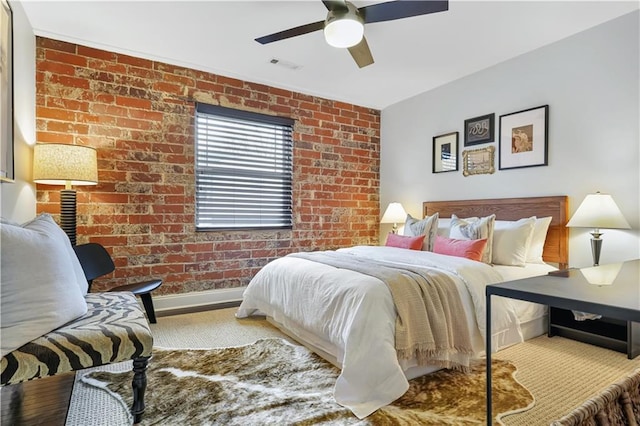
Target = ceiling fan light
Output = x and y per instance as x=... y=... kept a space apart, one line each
x=345 y=32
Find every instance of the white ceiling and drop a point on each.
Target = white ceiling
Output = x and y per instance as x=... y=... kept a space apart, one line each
x=412 y=55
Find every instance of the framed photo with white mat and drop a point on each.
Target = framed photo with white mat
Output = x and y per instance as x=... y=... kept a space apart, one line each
x=524 y=138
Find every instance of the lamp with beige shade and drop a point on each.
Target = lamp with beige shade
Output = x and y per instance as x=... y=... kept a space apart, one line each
x=393 y=214
x=68 y=165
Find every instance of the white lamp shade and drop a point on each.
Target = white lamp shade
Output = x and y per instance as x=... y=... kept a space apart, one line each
x=59 y=164
x=394 y=213
x=598 y=211
x=344 y=32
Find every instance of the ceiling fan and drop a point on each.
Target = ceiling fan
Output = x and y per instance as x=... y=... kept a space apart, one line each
x=344 y=24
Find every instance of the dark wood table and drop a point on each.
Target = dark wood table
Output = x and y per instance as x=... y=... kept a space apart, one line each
x=37 y=402
x=571 y=289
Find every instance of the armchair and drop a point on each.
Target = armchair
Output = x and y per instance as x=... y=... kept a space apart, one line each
x=96 y=262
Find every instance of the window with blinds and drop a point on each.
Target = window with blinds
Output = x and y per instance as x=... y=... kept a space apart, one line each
x=244 y=168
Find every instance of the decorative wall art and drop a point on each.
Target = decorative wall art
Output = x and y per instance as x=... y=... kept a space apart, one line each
x=478 y=161
x=6 y=92
x=524 y=138
x=479 y=130
x=445 y=153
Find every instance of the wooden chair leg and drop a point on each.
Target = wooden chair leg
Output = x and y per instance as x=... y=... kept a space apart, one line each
x=148 y=306
x=139 y=385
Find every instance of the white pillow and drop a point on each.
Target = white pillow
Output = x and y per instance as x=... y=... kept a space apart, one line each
x=39 y=284
x=428 y=227
x=511 y=240
x=444 y=224
x=536 y=247
x=474 y=228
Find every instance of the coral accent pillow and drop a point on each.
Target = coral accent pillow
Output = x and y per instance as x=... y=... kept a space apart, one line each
x=471 y=249
x=475 y=228
x=401 y=241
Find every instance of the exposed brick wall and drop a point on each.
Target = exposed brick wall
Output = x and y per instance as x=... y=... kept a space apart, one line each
x=139 y=114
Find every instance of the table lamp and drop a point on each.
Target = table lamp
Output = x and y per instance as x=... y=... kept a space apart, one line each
x=598 y=211
x=393 y=214
x=60 y=164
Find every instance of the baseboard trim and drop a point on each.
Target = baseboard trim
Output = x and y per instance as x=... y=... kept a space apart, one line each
x=174 y=304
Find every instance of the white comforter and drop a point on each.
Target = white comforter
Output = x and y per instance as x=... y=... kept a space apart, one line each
x=352 y=316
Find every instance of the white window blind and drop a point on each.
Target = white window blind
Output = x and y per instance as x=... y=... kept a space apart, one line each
x=243 y=169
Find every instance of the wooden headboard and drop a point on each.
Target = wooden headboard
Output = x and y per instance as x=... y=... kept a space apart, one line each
x=556 y=247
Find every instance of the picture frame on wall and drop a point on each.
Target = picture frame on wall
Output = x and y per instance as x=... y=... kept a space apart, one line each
x=478 y=161
x=524 y=138
x=479 y=130
x=445 y=152
x=6 y=93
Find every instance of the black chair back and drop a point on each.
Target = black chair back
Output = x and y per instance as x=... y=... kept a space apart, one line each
x=95 y=261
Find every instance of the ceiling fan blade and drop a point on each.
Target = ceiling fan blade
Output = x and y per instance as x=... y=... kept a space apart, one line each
x=361 y=53
x=399 y=9
x=335 y=4
x=291 y=32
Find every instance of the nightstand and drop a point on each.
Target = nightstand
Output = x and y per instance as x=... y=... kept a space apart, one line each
x=606 y=332
x=571 y=290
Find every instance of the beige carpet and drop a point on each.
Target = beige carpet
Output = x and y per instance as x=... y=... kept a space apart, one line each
x=560 y=373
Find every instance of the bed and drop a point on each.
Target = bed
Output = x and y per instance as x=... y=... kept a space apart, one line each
x=351 y=318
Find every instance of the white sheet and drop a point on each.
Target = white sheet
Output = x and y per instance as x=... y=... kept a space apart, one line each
x=526 y=311
x=353 y=316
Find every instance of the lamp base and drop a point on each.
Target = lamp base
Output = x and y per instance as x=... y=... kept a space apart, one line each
x=596 y=247
x=68 y=213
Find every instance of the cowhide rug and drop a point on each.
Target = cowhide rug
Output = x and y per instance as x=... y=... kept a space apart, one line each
x=274 y=382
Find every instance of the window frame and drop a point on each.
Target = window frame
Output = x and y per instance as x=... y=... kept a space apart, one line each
x=282 y=175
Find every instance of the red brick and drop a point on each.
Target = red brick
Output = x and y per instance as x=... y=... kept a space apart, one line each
x=55 y=114
x=65 y=126
x=57 y=68
x=146 y=115
x=54 y=137
x=113 y=110
x=137 y=62
x=323 y=116
x=250 y=103
x=209 y=86
x=133 y=102
x=66 y=58
x=133 y=124
x=226 y=81
x=280 y=92
x=47 y=43
x=179 y=79
x=142 y=126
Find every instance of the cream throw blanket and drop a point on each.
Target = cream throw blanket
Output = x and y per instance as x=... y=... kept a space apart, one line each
x=430 y=325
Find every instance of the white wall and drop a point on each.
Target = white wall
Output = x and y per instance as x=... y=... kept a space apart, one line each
x=590 y=82
x=17 y=199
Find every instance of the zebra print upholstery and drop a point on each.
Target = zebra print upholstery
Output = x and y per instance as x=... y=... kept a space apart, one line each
x=114 y=329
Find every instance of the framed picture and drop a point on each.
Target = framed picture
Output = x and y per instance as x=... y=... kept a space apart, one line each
x=479 y=130
x=445 y=153
x=6 y=92
x=524 y=138
x=478 y=161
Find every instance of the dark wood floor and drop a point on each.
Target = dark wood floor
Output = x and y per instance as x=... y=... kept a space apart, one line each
x=37 y=402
